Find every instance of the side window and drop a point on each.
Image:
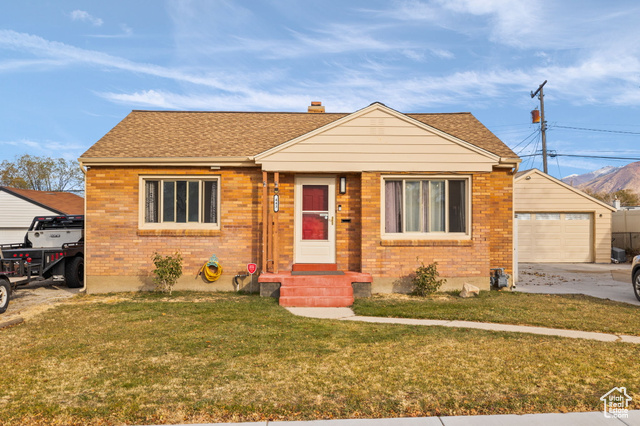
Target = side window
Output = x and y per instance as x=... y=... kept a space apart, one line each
x=181 y=201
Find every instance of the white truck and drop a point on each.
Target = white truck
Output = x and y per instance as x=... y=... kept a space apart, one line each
x=53 y=248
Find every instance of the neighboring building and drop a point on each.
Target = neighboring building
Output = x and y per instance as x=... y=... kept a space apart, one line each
x=18 y=207
x=625 y=228
x=375 y=192
x=558 y=223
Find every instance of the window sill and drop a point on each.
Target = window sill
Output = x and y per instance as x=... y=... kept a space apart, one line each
x=178 y=232
x=426 y=243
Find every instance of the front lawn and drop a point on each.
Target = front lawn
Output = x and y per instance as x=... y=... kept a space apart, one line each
x=574 y=311
x=196 y=357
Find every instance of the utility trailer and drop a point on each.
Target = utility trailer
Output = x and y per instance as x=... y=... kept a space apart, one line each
x=53 y=248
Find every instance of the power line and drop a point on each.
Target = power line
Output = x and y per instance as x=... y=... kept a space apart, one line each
x=596 y=156
x=583 y=156
x=525 y=139
x=535 y=149
x=558 y=164
x=596 y=130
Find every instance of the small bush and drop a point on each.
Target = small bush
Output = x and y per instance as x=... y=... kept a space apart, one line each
x=168 y=270
x=426 y=280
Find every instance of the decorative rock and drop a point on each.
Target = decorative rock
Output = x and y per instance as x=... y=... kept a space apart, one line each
x=469 y=290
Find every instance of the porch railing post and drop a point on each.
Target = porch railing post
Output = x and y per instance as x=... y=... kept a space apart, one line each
x=265 y=219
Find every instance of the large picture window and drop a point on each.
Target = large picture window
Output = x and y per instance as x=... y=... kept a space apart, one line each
x=426 y=206
x=176 y=201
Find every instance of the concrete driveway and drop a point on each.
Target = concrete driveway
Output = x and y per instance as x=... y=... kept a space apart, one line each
x=603 y=280
x=34 y=298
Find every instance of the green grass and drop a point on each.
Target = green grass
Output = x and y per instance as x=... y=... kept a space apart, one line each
x=198 y=357
x=574 y=312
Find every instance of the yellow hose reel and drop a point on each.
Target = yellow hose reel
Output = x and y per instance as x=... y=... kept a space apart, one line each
x=211 y=270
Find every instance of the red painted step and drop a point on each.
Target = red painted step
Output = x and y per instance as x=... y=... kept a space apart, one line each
x=314 y=267
x=316 y=301
x=295 y=290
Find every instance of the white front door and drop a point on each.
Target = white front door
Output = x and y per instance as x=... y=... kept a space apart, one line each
x=315 y=229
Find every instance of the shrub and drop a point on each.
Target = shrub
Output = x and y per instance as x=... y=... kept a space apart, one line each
x=426 y=280
x=168 y=270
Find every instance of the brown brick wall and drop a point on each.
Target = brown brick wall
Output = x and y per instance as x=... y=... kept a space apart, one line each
x=285 y=220
x=501 y=221
x=348 y=234
x=116 y=247
x=490 y=245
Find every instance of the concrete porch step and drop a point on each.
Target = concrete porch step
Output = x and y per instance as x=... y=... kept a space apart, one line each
x=320 y=291
x=334 y=291
x=316 y=301
x=317 y=280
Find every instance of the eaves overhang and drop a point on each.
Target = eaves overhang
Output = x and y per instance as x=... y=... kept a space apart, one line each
x=509 y=163
x=169 y=161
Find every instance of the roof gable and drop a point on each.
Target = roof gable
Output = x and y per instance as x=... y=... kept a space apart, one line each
x=377 y=138
x=523 y=177
x=58 y=202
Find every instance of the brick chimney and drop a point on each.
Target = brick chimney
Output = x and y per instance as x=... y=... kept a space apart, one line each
x=316 y=107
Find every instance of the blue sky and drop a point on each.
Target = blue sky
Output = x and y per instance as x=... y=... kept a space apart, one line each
x=71 y=70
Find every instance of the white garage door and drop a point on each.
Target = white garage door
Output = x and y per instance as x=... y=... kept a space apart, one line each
x=555 y=237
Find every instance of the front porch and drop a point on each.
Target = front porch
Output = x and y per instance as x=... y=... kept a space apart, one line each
x=311 y=241
x=315 y=285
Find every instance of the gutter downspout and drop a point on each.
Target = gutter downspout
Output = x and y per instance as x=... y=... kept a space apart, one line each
x=84 y=263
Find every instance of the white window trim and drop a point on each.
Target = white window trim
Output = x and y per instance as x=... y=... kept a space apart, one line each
x=426 y=235
x=142 y=225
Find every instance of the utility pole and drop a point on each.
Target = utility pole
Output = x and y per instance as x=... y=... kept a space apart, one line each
x=543 y=125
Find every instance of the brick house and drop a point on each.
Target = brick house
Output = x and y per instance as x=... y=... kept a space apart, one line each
x=372 y=193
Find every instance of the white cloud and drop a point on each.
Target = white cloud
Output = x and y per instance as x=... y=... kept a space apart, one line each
x=235 y=102
x=81 y=15
x=126 y=32
x=442 y=53
x=64 y=53
x=44 y=146
x=512 y=21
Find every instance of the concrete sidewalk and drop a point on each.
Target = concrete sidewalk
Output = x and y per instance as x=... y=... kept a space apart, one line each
x=595 y=418
x=348 y=315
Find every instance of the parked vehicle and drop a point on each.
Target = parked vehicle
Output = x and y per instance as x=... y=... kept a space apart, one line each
x=53 y=248
x=635 y=276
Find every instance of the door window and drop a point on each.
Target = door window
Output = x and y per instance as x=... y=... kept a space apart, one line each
x=315 y=212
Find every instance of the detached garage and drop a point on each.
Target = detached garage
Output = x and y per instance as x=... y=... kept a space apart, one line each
x=558 y=223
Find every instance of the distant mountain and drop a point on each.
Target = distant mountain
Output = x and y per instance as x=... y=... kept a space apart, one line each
x=579 y=180
x=608 y=179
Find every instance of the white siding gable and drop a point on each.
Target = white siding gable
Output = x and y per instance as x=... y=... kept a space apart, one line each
x=377 y=139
